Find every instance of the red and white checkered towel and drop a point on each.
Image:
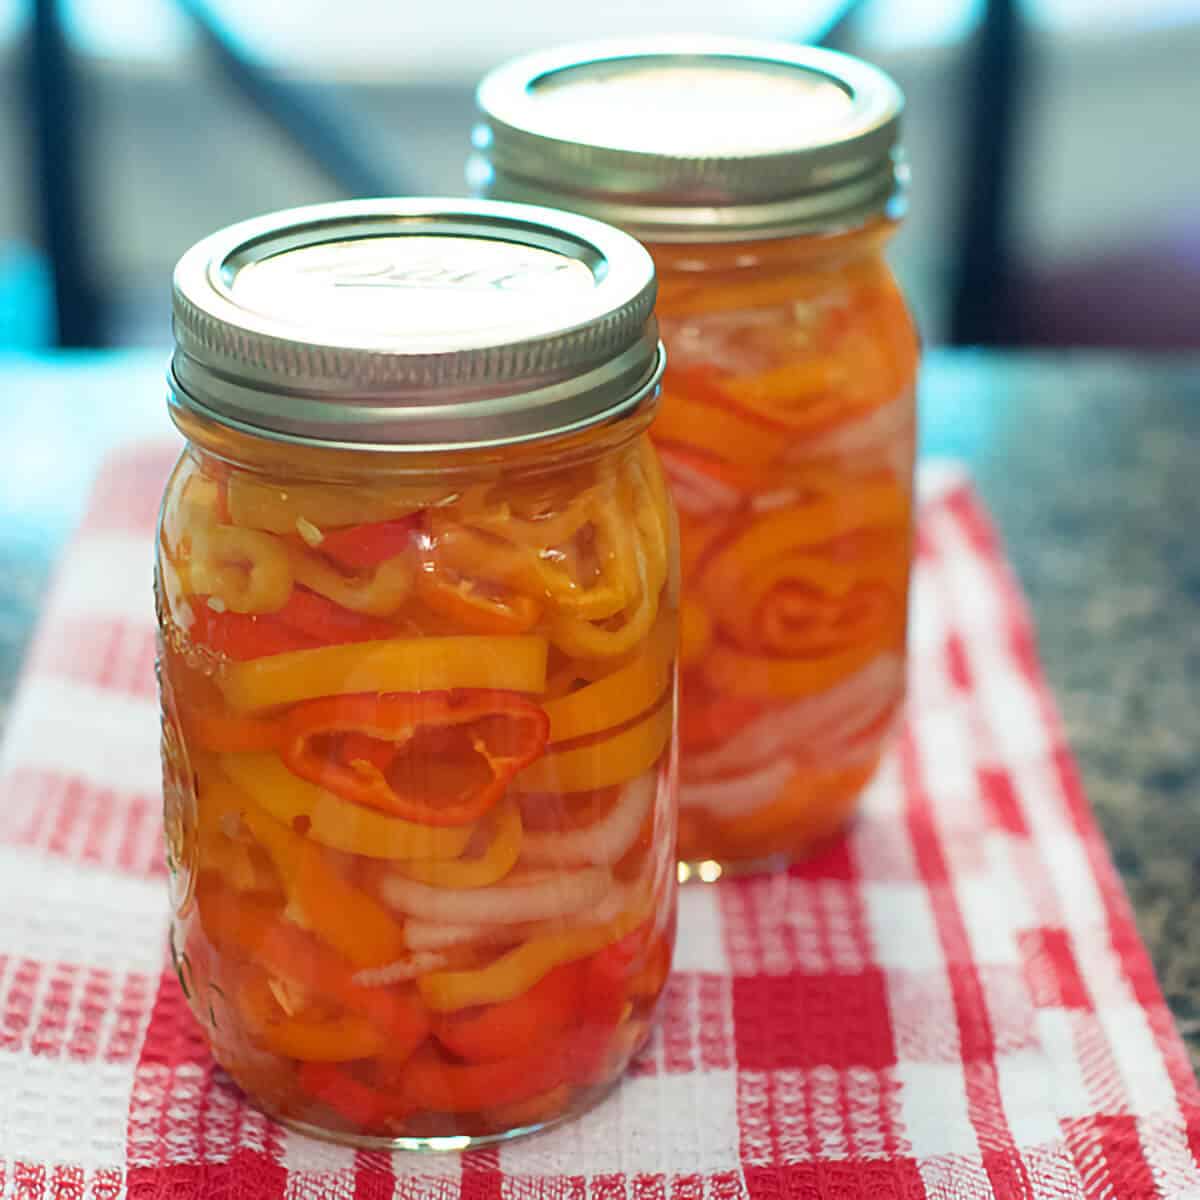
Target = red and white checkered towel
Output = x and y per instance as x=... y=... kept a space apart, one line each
x=953 y=1002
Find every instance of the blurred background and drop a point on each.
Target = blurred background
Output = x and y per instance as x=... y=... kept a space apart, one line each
x=1054 y=143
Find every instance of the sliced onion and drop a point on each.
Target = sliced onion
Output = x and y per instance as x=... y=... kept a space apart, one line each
x=437 y=935
x=424 y=936
x=603 y=842
x=737 y=796
x=698 y=493
x=401 y=971
x=879 y=432
x=534 y=896
x=830 y=718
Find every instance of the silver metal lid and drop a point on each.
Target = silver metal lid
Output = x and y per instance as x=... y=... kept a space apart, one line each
x=414 y=324
x=693 y=138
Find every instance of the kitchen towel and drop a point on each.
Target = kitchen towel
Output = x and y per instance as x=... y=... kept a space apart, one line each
x=951 y=1002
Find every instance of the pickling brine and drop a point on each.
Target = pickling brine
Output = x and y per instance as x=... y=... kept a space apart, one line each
x=418 y=722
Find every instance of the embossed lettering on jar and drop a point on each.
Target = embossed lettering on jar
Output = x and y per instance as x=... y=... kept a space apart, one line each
x=418 y=598
x=767 y=182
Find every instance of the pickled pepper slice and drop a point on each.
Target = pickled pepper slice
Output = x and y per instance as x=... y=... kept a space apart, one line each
x=503 y=729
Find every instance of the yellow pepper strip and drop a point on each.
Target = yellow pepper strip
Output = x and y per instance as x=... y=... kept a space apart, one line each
x=247 y=570
x=695 y=632
x=583 y=639
x=712 y=430
x=602 y=764
x=523 y=569
x=339 y=1039
x=378 y=594
x=490 y=867
x=276 y=507
x=553 y=529
x=346 y=918
x=514 y=973
x=618 y=697
x=335 y=822
x=752 y=677
x=423 y=664
x=652 y=466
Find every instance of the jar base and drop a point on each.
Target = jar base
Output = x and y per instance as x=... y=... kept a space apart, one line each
x=448 y=1143
x=712 y=870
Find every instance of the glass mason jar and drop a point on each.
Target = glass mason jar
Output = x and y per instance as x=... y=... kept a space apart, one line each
x=418 y=596
x=766 y=181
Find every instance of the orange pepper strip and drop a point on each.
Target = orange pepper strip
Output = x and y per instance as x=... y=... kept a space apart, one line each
x=794 y=605
x=246 y=929
x=223 y=734
x=695 y=632
x=355 y=924
x=397 y=665
x=507 y=731
x=688 y=421
x=601 y=764
x=618 y=697
x=460 y=601
x=338 y=1039
x=706 y=720
x=364 y=1107
x=751 y=676
x=492 y=1032
x=430 y=1082
x=788 y=530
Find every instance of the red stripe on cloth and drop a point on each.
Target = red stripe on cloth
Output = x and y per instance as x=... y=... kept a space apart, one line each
x=374 y=1178
x=191 y=1133
x=898 y=1179
x=1051 y=971
x=71 y=817
x=482 y=1178
x=957 y=668
x=796 y=1020
x=86 y=1014
x=1001 y=800
x=1107 y=1151
x=106 y=652
x=1127 y=944
x=791 y=1116
x=985 y=1108
x=127 y=491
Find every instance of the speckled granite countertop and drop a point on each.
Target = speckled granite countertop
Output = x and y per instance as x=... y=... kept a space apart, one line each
x=1091 y=466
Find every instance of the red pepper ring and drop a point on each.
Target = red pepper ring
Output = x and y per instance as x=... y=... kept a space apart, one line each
x=510 y=732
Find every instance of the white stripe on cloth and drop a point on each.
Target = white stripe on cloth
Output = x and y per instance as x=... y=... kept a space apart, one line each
x=106 y=575
x=58 y=1110
x=627 y=1133
x=54 y=911
x=67 y=725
